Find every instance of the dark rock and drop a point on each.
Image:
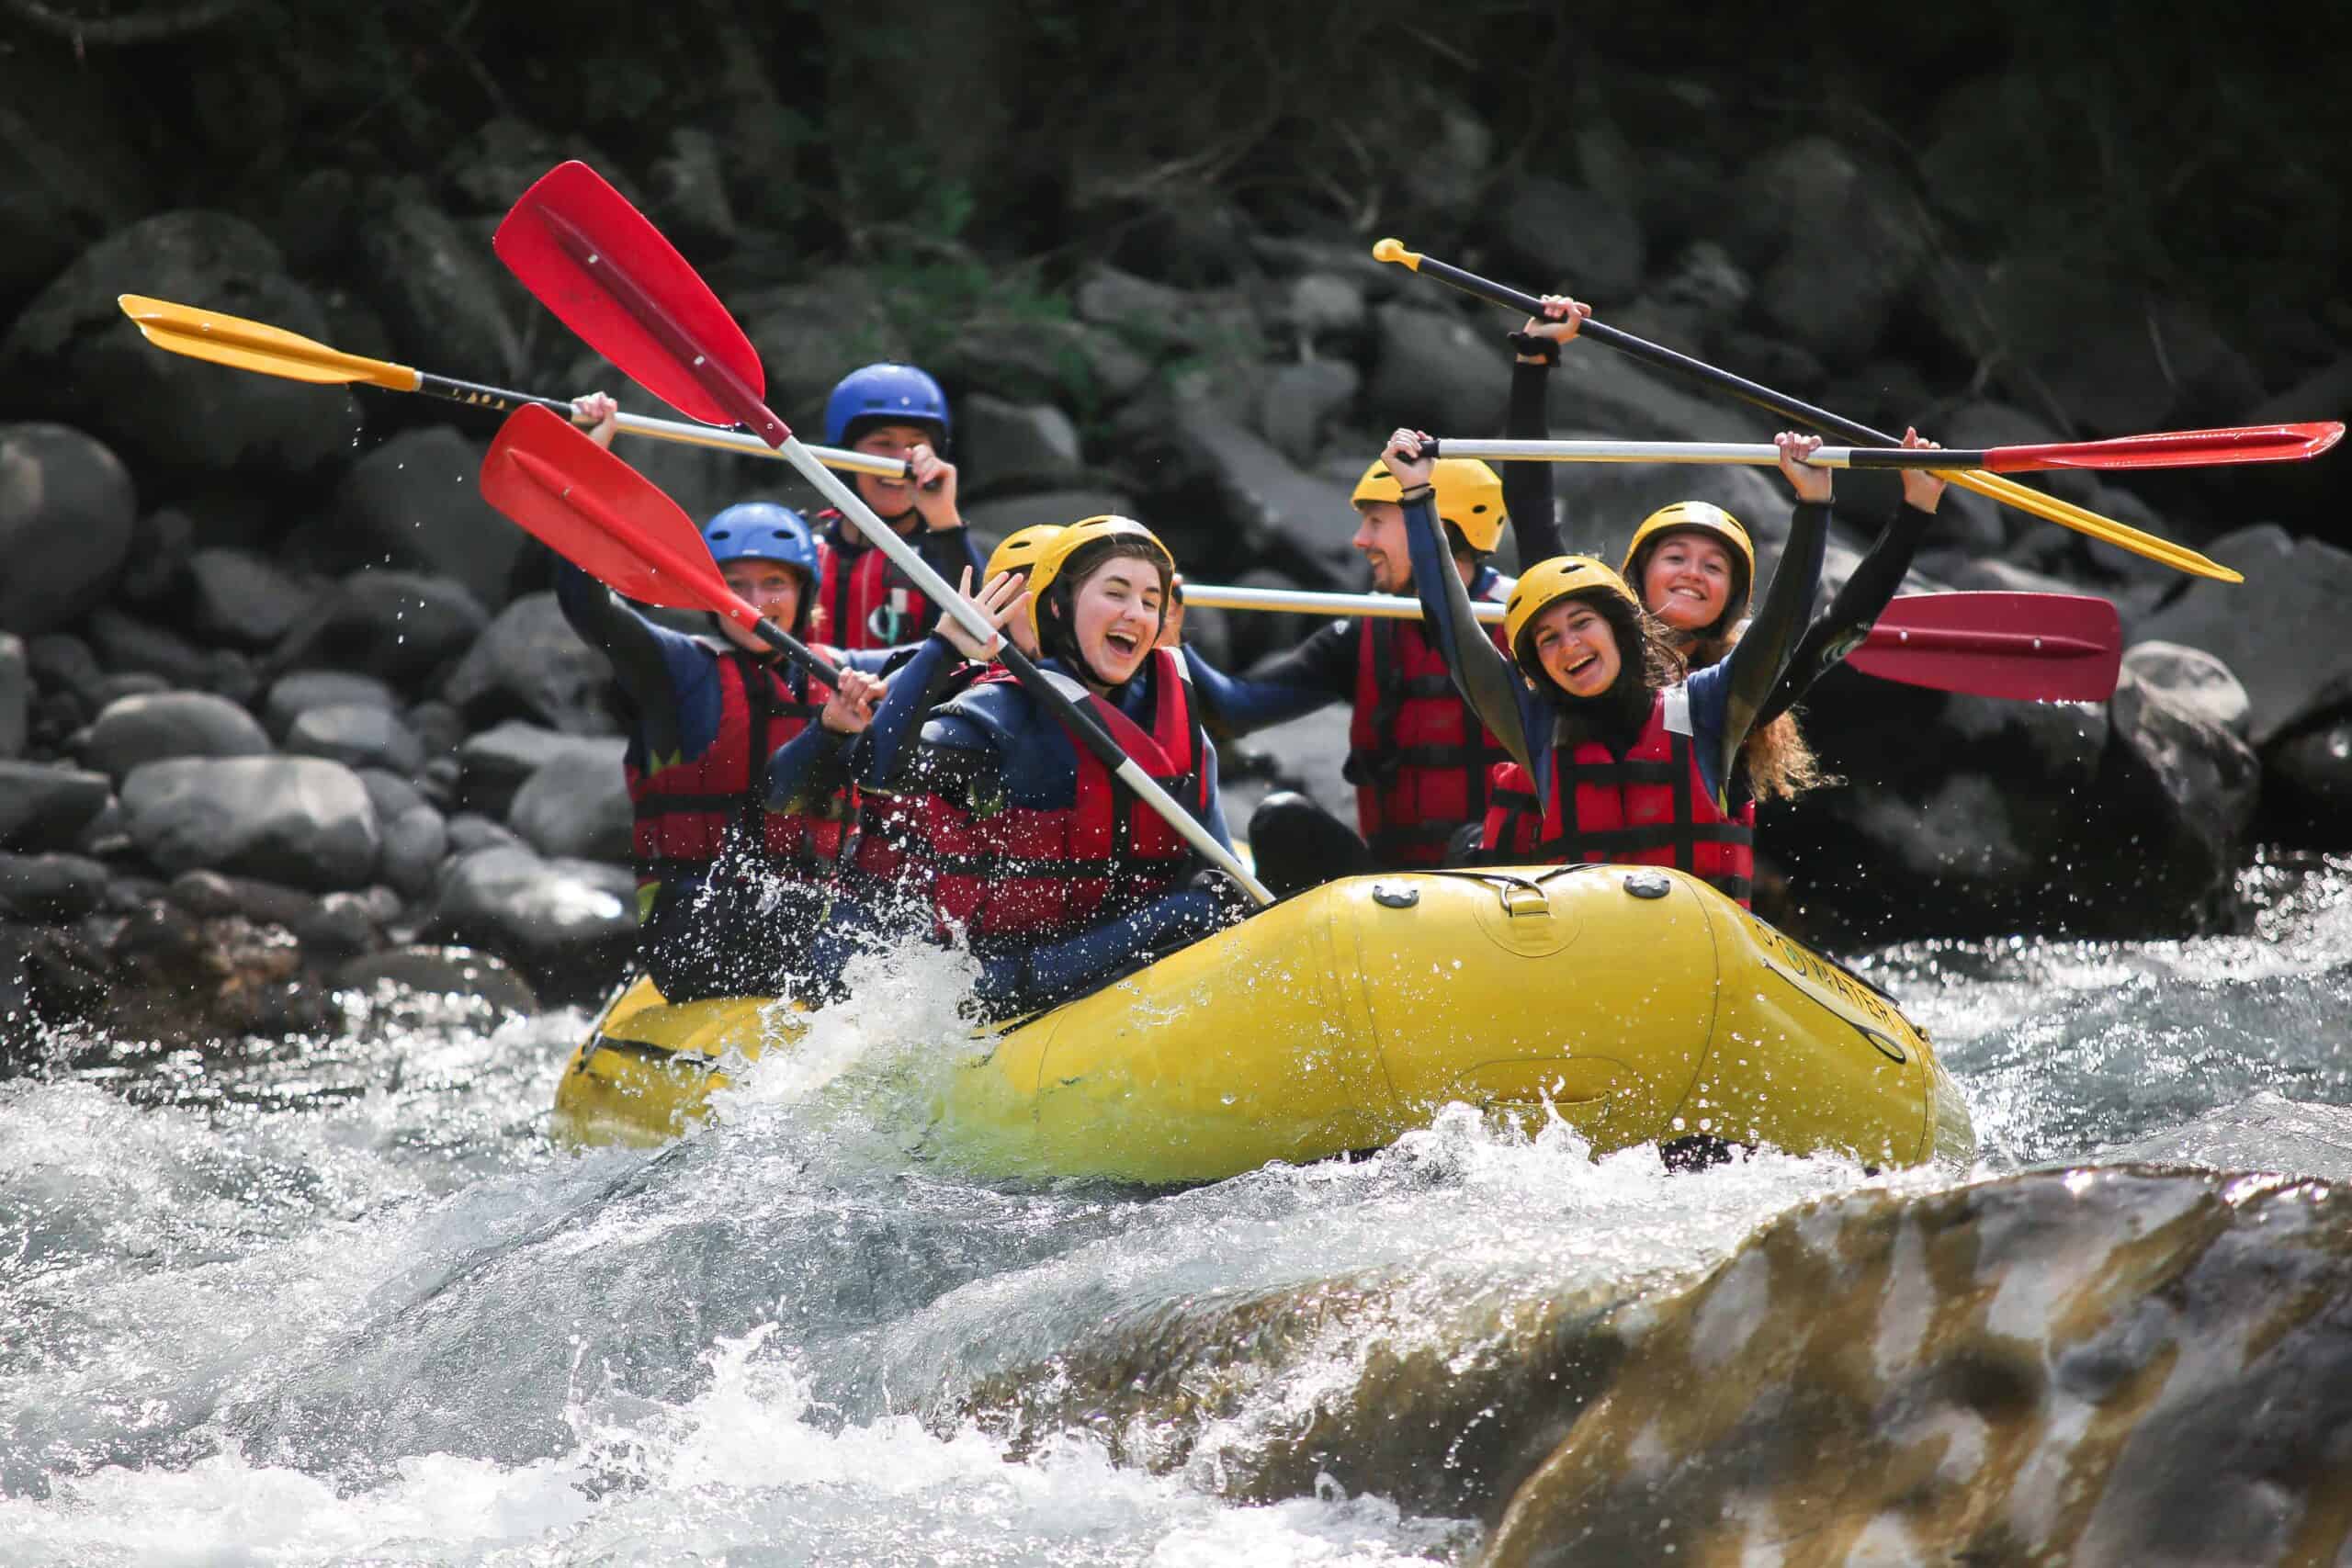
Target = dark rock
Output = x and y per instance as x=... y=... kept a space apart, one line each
x=1978 y=575
x=2291 y=677
x=244 y=598
x=1610 y=394
x=106 y=836
x=574 y=918
x=1855 y=239
x=114 y=688
x=15 y=695
x=452 y=971
x=1320 y=305
x=66 y=515
x=1602 y=503
x=688 y=193
x=499 y=159
x=96 y=374
x=356 y=736
x=435 y=284
x=324 y=930
x=402 y=625
x=389 y=794
x=1154 y=315
x=2177 y=799
x=2193 y=680
x=412 y=504
x=1842 y=1389
x=439 y=728
x=1298 y=518
x=2315 y=767
x=994 y=519
x=1010 y=442
x=1705 y=293
x=1447 y=174
x=44 y=807
x=470 y=830
x=71 y=168
x=54 y=887
x=417 y=841
x=300 y=820
x=297 y=692
x=1431 y=372
x=572 y=812
x=529 y=665
x=60 y=661
x=1305 y=755
x=1300 y=402
x=137 y=730
x=131 y=642
x=1566 y=240
x=154 y=569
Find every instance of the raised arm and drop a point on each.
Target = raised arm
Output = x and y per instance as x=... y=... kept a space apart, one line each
x=1858 y=605
x=1747 y=676
x=1317 y=672
x=1487 y=678
x=1527 y=486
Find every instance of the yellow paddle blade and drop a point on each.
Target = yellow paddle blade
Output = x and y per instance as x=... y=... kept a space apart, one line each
x=2082 y=520
x=250 y=345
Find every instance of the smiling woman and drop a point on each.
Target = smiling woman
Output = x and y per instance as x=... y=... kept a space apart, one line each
x=1014 y=833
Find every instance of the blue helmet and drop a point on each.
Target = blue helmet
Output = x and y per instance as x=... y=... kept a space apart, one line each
x=897 y=393
x=761 y=530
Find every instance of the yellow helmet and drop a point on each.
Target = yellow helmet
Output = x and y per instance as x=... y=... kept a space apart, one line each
x=1547 y=582
x=1469 y=496
x=1704 y=517
x=1068 y=542
x=1020 y=549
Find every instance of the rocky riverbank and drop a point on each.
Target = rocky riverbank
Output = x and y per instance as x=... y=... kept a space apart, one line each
x=278 y=694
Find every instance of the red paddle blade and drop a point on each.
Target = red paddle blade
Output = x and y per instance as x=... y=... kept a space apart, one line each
x=2049 y=648
x=602 y=516
x=601 y=266
x=2175 y=449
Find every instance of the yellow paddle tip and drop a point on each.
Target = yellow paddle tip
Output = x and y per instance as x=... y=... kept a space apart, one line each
x=1394 y=251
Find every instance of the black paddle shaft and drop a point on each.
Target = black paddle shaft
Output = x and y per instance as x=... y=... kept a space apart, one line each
x=1682 y=363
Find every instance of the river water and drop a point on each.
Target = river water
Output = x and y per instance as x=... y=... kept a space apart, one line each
x=344 y=1302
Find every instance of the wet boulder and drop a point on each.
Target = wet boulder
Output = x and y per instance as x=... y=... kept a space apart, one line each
x=529 y=665
x=1300 y=403
x=1848 y=1387
x=2291 y=677
x=400 y=626
x=413 y=504
x=1852 y=239
x=496 y=762
x=1300 y=520
x=357 y=735
x=52 y=887
x=2194 y=680
x=448 y=971
x=991 y=520
x=435 y=284
x=567 y=812
x=135 y=730
x=1319 y=305
x=243 y=598
x=299 y=691
x=2177 y=797
x=2315 y=768
x=67 y=511
x=99 y=375
x=304 y=822
x=46 y=807
x=572 y=921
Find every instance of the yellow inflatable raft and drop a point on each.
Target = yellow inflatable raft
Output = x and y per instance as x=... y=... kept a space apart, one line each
x=1641 y=1006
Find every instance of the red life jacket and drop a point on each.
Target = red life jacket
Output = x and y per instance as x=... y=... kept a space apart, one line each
x=689 y=813
x=1039 y=873
x=1416 y=752
x=891 y=827
x=862 y=602
x=1648 y=807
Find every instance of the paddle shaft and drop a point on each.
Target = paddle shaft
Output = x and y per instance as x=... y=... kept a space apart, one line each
x=2175 y=449
x=500 y=400
x=2048 y=507
x=745 y=402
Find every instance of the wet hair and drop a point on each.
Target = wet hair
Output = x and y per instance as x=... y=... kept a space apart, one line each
x=1734 y=603
x=1057 y=621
